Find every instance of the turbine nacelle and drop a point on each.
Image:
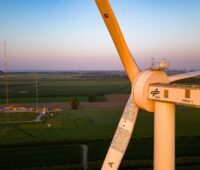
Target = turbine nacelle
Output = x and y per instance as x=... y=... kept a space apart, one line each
x=141 y=87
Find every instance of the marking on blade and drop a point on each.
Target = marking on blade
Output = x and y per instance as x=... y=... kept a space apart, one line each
x=121 y=140
x=110 y=164
x=105 y=15
x=129 y=110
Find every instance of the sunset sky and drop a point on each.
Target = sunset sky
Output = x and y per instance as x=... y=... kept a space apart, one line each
x=71 y=35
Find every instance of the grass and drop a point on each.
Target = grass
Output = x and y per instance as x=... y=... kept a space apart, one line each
x=93 y=125
x=24 y=145
x=24 y=116
x=36 y=156
x=139 y=155
x=61 y=85
x=18 y=116
x=99 y=98
x=3 y=117
x=44 y=146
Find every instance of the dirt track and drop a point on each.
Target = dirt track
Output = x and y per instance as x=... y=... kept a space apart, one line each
x=112 y=101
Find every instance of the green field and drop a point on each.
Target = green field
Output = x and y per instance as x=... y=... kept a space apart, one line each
x=86 y=125
x=60 y=87
x=99 y=98
x=95 y=128
x=38 y=146
x=18 y=116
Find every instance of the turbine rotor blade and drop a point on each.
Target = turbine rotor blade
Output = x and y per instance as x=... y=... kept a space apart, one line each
x=183 y=76
x=122 y=136
x=119 y=41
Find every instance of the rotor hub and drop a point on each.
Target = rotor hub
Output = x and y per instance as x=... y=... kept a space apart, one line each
x=141 y=87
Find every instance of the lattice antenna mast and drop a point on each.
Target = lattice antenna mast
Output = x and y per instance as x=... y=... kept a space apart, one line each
x=5 y=70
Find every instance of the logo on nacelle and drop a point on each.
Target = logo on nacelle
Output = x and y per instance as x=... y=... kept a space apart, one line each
x=155 y=92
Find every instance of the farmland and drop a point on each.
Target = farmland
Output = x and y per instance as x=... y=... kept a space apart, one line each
x=98 y=124
x=24 y=116
x=36 y=144
x=94 y=128
x=61 y=87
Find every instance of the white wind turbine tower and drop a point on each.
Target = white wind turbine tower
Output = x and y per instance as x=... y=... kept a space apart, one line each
x=151 y=91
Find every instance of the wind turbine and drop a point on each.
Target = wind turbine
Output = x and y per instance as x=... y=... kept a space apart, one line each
x=151 y=91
